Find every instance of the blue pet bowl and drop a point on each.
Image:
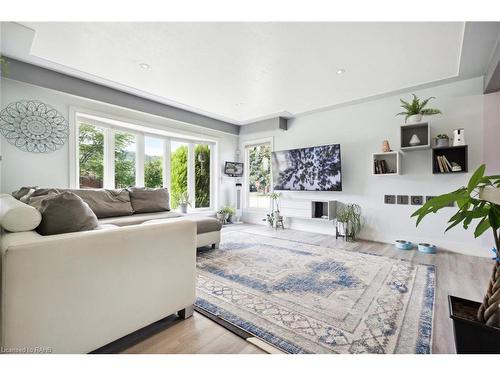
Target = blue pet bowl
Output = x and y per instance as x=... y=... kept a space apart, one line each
x=427 y=248
x=403 y=245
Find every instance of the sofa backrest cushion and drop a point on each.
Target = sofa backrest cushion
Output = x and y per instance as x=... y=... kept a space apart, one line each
x=64 y=213
x=16 y=216
x=146 y=200
x=104 y=202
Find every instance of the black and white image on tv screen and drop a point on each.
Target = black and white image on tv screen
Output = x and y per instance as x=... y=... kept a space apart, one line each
x=312 y=168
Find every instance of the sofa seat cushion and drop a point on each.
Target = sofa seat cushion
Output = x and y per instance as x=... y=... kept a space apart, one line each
x=145 y=200
x=16 y=216
x=138 y=218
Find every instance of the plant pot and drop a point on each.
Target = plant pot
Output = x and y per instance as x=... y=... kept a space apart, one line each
x=413 y=119
x=221 y=217
x=344 y=229
x=471 y=336
x=229 y=219
x=184 y=208
x=441 y=142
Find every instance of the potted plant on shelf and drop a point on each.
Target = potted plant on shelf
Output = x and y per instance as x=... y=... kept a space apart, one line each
x=416 y=109
x=184 y=202
x=476 y=325
x=441 y=140
x=349 y=221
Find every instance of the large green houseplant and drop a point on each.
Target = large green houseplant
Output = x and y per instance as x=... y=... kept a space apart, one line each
x=471 y=207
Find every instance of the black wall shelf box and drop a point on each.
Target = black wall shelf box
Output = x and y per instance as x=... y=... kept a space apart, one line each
x=457 y=154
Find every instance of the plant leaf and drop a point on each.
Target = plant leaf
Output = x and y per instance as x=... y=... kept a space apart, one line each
x=474 y=180
x=482 y=227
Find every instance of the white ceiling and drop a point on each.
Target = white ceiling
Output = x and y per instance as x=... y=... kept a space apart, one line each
x=241 y=72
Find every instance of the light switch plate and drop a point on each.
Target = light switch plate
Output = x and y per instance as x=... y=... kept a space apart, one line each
x=402 y=199
x=389 y=199
x=417 y=200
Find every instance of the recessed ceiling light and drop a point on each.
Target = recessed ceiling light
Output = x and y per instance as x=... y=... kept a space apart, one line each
x=145 y=66
x=340 y=71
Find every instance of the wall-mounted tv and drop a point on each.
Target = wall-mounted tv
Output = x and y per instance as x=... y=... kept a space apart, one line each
x=233 y=169
x=311 y=168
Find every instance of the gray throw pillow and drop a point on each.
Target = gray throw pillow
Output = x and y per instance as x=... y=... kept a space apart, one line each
x=65 y=213
x=36 y=200
x=22 y=192
x=149 y=200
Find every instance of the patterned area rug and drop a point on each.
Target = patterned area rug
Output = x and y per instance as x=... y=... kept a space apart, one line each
x=305 y=298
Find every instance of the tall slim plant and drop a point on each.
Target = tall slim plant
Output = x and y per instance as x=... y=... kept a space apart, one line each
x=471 y=207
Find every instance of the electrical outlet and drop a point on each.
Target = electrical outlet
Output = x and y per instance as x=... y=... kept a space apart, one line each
x=402 y=199
x=389 y=199
x=417 y=200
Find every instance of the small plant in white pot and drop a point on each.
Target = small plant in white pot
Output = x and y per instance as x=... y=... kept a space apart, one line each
x=184 y=201
x=415 y=110
x=349 y=221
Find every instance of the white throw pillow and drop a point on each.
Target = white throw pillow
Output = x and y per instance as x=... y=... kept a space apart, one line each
x=16 y=216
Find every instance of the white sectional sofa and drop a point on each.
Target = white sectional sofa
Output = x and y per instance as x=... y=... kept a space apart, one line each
x=75 y=292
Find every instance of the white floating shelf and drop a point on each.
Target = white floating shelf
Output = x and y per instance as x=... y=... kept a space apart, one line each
x=390 y=160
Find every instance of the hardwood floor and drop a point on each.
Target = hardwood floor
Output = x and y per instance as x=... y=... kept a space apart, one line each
x=457 y=274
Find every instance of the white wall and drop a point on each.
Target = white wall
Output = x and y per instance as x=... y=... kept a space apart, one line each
x=19 y=168
x=360 y=130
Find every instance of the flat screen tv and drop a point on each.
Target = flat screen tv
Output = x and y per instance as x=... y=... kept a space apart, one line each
x=233 y=169
x=312 y=168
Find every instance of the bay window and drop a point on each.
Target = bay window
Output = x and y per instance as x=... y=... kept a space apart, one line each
x=112 y=156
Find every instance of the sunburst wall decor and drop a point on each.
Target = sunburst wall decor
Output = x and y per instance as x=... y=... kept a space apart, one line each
x=33 y=126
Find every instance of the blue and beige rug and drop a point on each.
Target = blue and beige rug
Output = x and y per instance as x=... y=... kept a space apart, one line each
x=304 y=298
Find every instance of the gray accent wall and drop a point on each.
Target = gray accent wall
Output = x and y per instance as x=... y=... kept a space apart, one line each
x=35 y=75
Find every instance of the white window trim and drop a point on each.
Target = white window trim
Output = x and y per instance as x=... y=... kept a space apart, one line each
x=246 y=194
x=166 y=135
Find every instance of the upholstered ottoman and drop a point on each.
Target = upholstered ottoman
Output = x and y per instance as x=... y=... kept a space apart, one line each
x=207 y=229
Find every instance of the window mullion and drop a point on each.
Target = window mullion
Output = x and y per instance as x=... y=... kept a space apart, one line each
x=191 y=174
x=109 y=159
x=139 y=161
x=166 y=165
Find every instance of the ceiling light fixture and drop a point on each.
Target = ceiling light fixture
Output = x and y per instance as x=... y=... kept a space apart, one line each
x=340 y=71
x=145 y=66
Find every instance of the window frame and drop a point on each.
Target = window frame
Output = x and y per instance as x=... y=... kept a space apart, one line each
x=246 y=193
x=77 y=116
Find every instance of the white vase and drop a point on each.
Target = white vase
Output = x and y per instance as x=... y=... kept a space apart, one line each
x=413 y=119
x=184 y=208
x=414 y=140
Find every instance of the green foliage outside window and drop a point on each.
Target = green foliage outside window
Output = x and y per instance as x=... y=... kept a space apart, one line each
x=202 y=175
x=259 y=175
x=178 y=175
x=153 y=172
